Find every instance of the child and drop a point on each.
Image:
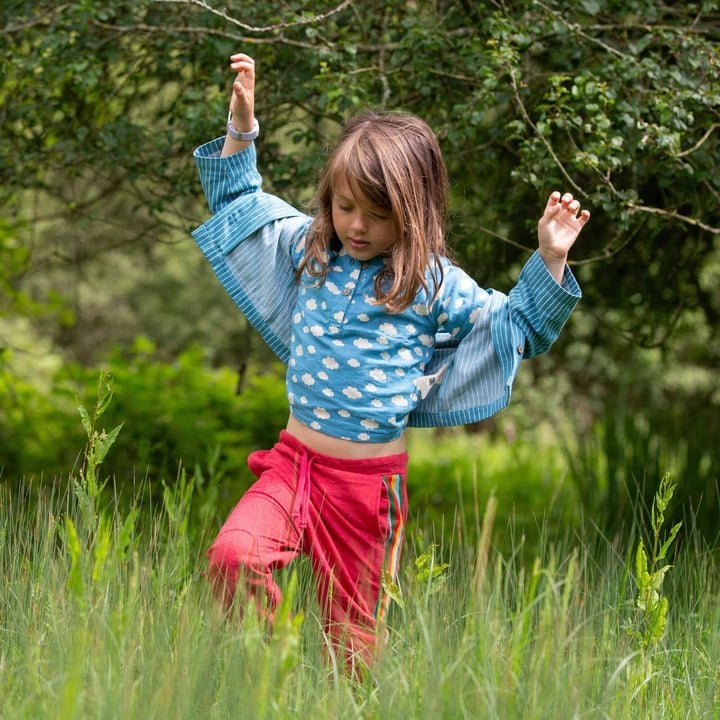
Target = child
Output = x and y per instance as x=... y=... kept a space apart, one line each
x=379 y=330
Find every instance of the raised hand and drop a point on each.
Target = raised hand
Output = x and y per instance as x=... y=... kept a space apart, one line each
x=242 y=102
x=558 y=228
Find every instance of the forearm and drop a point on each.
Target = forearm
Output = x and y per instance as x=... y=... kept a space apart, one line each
x=554 y=264
x=233 y=146
x=242 y=103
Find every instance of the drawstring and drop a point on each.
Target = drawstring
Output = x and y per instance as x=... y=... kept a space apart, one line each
x=302 y=493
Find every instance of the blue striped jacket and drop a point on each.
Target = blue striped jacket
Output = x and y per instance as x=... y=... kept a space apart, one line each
x=249 y=242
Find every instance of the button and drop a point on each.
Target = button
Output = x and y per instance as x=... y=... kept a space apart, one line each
x=347 y=291
x=520 y=349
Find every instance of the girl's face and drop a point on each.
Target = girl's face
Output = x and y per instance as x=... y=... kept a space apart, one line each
x=364 y=229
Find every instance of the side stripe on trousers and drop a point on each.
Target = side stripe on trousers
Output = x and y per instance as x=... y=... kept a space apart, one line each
x=393 y=544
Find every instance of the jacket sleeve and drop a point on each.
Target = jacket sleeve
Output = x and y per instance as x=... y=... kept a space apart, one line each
x=540 y=306
x=479 y=348
x=254 y=241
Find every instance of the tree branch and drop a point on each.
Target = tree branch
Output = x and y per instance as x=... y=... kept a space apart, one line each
x=576 y=28
x=673 y=214
x=543 y=139
x=35 y=21
x=268 y=28
x=504 y=239
x=699 y=143
x=193 y=30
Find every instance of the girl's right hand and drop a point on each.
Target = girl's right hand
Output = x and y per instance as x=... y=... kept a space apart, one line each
x=242 y=102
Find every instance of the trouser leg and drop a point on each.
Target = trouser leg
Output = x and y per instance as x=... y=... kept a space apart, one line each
x=353 y=538
x=347 y=515
x=258 y=537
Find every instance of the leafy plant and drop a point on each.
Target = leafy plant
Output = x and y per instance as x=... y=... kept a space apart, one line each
x=650 y=572
x=101 y=547
x=88 y=487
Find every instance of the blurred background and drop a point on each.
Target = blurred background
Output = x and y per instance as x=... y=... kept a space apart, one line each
x=101 y=106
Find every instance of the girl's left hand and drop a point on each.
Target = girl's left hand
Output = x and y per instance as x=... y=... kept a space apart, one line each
x=560 y=225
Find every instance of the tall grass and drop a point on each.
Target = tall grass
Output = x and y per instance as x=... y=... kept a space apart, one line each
x=118 y=622
x=104 y=613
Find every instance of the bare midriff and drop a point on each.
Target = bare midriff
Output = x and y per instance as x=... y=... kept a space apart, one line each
x=337 y=447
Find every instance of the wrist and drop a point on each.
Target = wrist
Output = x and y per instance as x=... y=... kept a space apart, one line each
x=554 y=263
x=242 y=129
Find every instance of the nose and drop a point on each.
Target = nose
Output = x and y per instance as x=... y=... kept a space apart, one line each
x=358 y=223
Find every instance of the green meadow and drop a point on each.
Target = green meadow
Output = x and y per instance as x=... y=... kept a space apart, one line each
x=105 y=613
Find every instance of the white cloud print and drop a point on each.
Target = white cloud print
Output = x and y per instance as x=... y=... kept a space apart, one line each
x=426 y=340
x=369 y=424
x=308 y=379
x=362 y=343
x=330 y=363
x=399 y=400
x=354 y=362
x=420 y=309
x=332 y=287
x=322 y=413
x=353 y=393
x=405 y=354
x=388 y=329
x=377 y=374
x=317 y=330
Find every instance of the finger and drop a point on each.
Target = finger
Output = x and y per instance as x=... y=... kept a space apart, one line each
x=244 y=68
x=573 y=206
x=553 y=200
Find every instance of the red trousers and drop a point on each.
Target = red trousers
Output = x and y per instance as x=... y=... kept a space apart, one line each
x=348 y=516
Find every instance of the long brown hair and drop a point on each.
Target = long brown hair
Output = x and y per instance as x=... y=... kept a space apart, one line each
x=394 y=161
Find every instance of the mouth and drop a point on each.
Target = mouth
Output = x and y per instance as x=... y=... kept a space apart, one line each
x=358 y=244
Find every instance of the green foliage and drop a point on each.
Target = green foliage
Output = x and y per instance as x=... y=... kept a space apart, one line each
x=95 y=555
x=618 y=105
x=640 y=430
x=172 y=415
x=649 y=573
x=451 y=476
x=89 y=487
x=616 y=102
x=121 y=624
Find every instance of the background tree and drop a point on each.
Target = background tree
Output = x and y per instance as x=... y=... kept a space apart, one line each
x=616 y=102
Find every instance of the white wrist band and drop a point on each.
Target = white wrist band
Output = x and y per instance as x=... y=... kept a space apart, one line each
x=242 y=136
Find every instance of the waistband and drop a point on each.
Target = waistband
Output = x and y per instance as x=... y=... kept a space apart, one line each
x=385 y=465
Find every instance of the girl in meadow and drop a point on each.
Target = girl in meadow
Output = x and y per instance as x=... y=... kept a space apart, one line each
x=379 y=331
